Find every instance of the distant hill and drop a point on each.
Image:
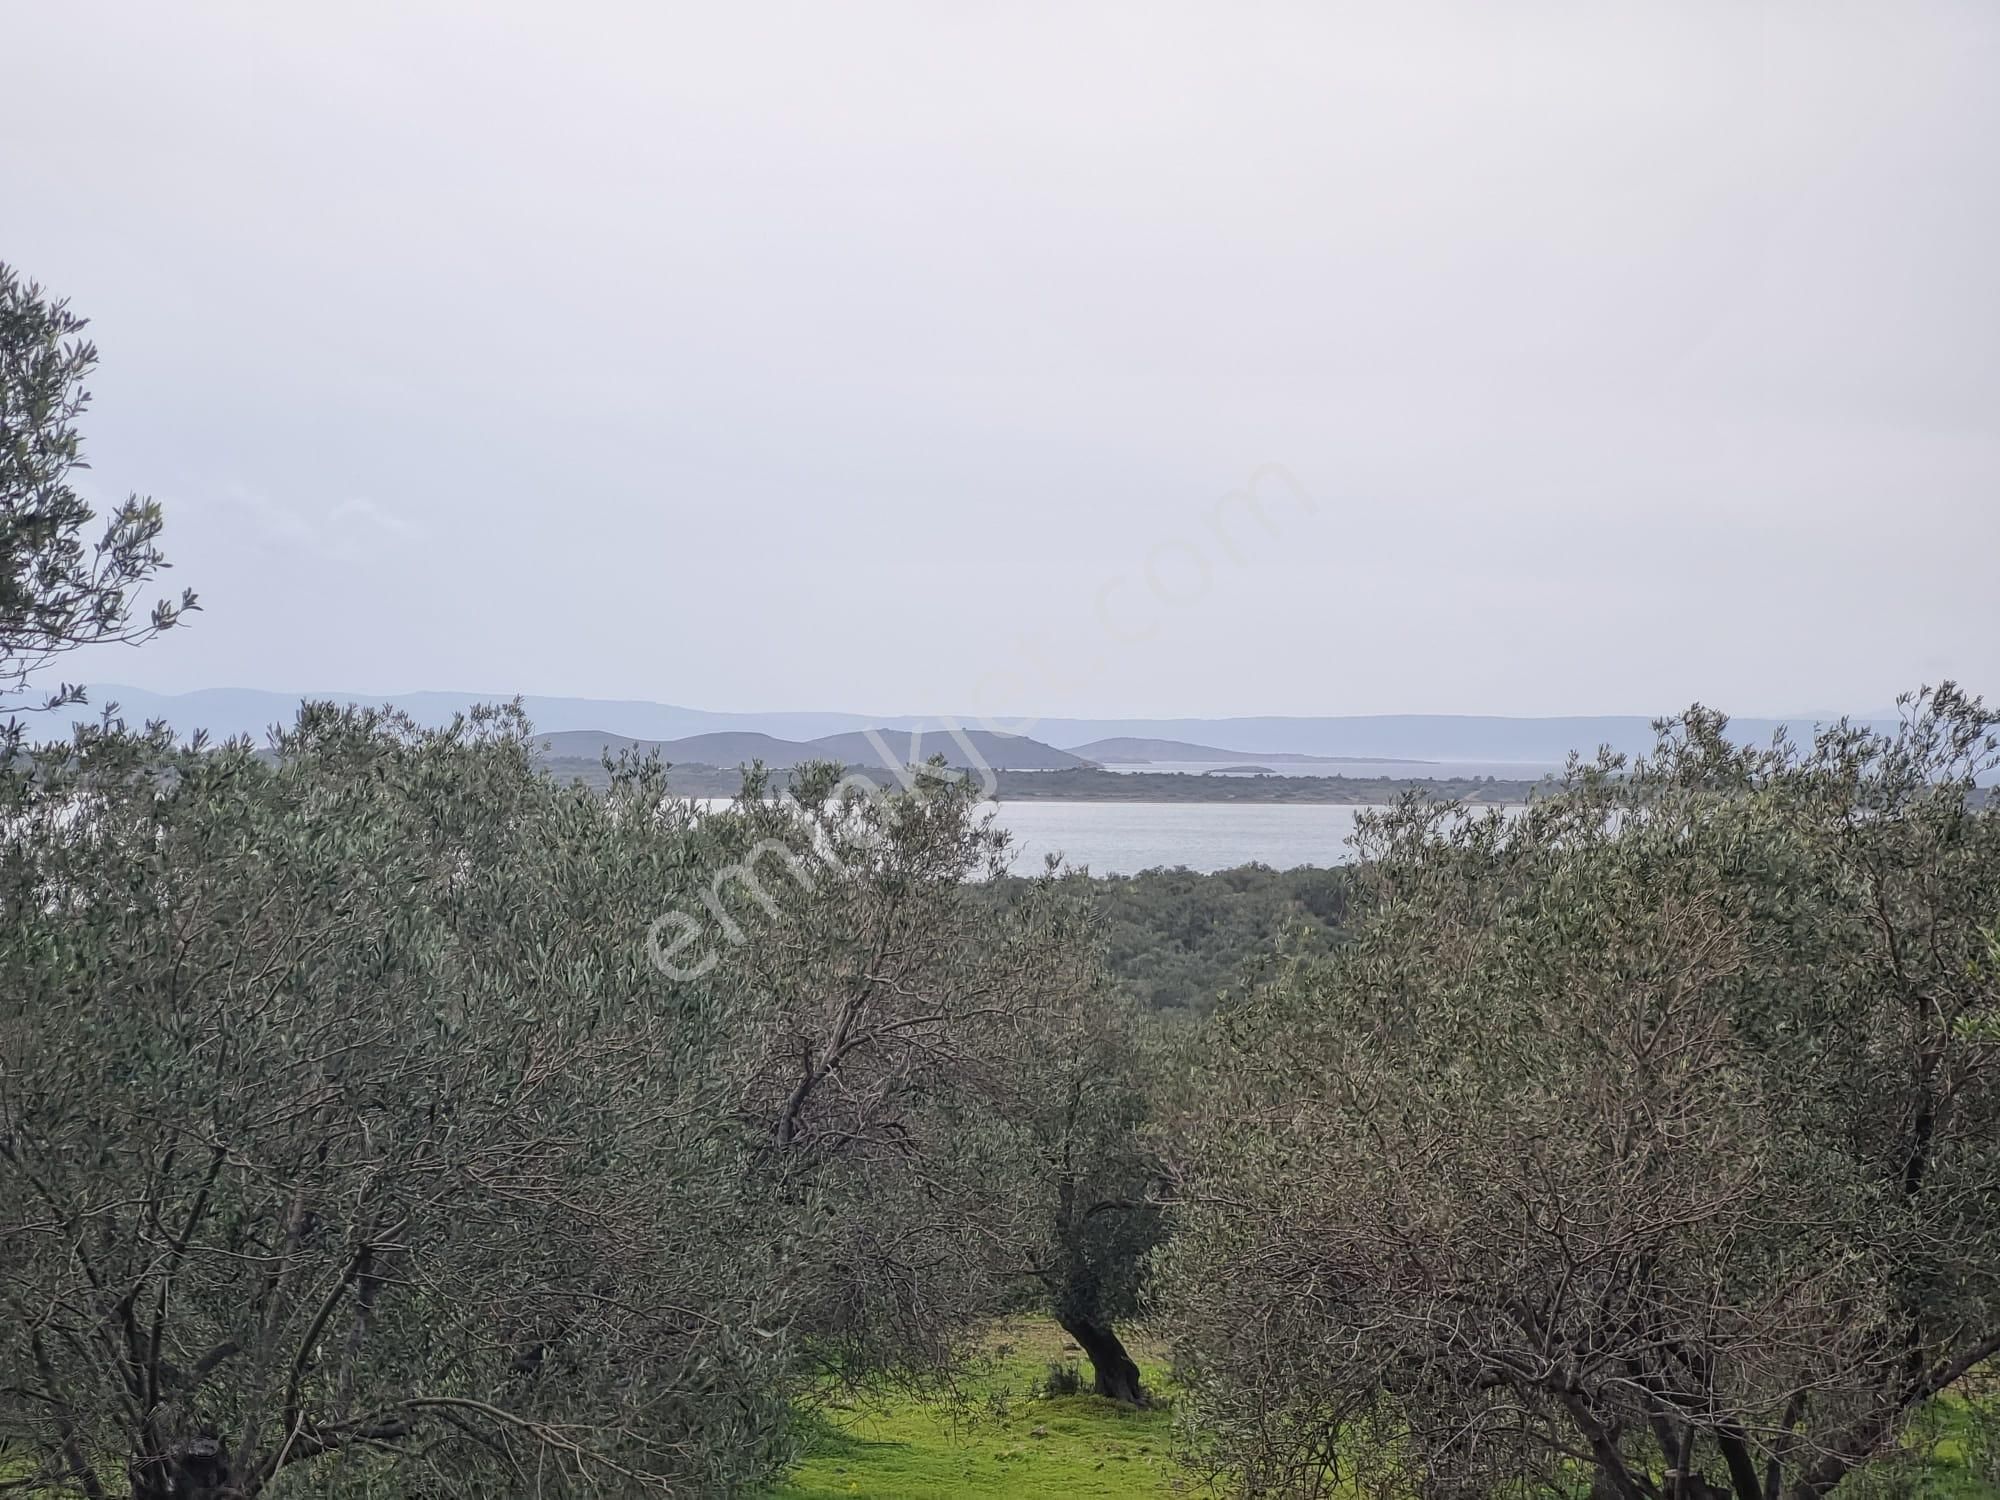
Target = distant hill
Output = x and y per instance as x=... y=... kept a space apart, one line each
x=1130 y=750
x=587 y=743
x=224 y=712
x=1093 y=784
x=725 y=748
x=1434 y=737
x=1000 y=752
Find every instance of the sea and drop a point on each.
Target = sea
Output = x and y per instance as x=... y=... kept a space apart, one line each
x=1123 y=838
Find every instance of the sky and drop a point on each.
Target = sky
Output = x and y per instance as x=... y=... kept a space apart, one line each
x=1095 y=359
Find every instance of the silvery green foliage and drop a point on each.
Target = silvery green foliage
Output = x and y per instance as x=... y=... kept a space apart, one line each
x=344 y=1129
x=944 y=1064
x=1647 y=1142
x=58 y=592
x=351 y=1142
x=888 y=1003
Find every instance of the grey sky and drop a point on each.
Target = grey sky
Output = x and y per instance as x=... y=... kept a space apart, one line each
x=755 y=357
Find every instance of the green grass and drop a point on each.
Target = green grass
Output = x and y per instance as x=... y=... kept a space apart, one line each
x=999 y=1440
x=1948 y=1453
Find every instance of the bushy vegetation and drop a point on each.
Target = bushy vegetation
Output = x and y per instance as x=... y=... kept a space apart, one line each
x=1650 y=1138
x=1178 y=940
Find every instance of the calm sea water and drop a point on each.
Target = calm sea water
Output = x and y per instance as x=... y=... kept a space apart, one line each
x=1123 y=838
x=1120 y=838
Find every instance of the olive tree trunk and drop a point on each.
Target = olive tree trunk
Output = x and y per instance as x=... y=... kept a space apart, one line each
x=1117 y=1372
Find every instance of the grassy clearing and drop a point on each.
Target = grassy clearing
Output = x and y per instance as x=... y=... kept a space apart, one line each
x=1949 y=1449
x=1000 y=1440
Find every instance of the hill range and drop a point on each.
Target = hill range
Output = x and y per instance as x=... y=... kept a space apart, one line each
x=1000 y=752
x=1371 y=737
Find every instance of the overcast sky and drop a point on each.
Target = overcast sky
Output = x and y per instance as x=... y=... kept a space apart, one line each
x=896 y=358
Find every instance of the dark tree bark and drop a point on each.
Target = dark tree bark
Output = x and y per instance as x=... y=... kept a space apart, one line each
x=197 y=1468
x=1117 y=1372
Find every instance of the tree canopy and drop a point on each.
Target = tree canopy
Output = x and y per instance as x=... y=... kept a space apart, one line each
x=56 y=591
x=1651 y=1136
x=348 y=1128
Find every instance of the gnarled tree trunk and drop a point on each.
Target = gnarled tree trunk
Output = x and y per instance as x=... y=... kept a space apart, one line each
x=1117 y=1372
x=195 y=1468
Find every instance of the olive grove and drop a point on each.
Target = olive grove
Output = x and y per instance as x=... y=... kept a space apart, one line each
x=348 y=1132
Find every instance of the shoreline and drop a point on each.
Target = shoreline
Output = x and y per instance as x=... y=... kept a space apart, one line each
x=1137 y=788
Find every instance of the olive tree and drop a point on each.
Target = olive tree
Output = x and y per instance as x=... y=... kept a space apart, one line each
x=888 y=1006
x=1649 y=1139
x=941 y=1061
x=1079 y=1110
x=56 y=591
x=344 y=1127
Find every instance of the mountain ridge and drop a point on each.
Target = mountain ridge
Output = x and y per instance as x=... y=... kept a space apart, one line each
x=729 y=749
x=1526 y=740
